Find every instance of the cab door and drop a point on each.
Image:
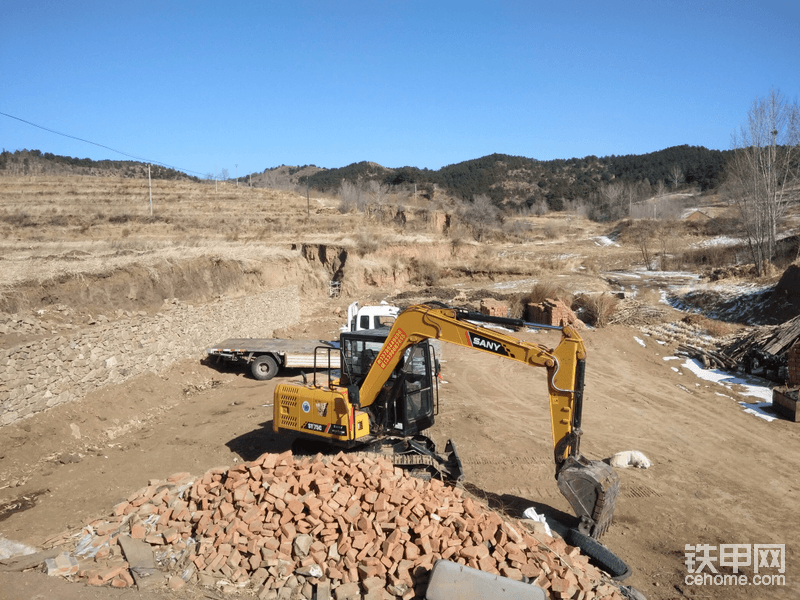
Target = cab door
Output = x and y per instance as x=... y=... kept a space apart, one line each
x=419 y=390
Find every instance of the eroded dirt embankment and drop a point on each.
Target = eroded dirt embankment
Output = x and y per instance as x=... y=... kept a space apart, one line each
x=143 y=283
x=145 y=286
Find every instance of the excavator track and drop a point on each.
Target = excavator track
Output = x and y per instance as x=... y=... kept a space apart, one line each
x=419 y=458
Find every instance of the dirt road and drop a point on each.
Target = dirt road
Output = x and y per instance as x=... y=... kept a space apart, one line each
x=719 y=475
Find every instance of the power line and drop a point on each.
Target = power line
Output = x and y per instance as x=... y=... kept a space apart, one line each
x=146 y=160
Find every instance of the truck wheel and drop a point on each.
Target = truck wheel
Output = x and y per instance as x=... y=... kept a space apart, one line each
x=264 y=367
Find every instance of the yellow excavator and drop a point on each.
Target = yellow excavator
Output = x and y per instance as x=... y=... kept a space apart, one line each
x=386 y=395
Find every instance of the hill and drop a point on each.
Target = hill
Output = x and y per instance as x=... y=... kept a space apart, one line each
x=36 y=162
x=512 y=182
x=517 y=179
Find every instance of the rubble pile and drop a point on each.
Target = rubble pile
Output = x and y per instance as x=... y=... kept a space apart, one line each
x=348 y=526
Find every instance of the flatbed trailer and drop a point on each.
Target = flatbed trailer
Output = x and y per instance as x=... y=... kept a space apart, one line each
x=265 y=357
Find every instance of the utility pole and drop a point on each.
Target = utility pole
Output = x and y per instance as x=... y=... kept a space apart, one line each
x=308 y=200
x=150 y=187
x=215 y=180
x=237 y=175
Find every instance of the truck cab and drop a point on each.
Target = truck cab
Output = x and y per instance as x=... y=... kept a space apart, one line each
x=361 y=318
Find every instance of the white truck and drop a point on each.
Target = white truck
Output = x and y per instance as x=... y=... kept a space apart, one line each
x=370 y=317
x=265 y=356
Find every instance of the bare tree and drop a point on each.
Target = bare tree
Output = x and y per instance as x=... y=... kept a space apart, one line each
x=610 y=202
x=379 y=192
x=481 y=216
x=764 y=170
x=223 y=174
x=614 y=195
x=660 y=191
x=350 y=196
x=676 y=174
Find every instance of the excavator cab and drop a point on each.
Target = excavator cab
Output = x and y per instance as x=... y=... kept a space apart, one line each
x=409 y=400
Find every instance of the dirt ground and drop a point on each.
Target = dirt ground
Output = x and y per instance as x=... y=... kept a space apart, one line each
x=719 y=475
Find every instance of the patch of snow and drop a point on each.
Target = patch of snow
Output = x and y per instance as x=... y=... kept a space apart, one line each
x=667 y=274
x=719 y=241
x=757 y=410
x=745 y=386
x=640 y=341
x=505 y=285
x=604 y=240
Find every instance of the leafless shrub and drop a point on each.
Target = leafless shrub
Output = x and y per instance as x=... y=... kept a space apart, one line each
x=595 y=309
x=456 y=243
x=539 y=208
x=20 y=219
x=424 y=272
x=711 y=257
x=553 y=232
x=545 y=290
x=517 y=230
x=366 y=242
x=349 y=197
x=589 y=264
x=577 y=206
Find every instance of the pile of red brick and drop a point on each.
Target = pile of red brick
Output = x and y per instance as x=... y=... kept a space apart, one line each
x=553 y=312
x=494 y=308
x=346 y=526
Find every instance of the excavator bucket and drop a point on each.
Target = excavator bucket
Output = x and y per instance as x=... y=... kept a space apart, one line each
x=591 y=487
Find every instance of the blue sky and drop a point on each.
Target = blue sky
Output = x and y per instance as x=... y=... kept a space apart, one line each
x=259 y=84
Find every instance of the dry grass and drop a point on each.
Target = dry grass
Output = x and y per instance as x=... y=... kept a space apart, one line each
x=714 y=327
x=52 y=226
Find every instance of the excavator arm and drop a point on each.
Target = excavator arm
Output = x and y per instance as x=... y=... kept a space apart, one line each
x=591 y=487
x=565 y=364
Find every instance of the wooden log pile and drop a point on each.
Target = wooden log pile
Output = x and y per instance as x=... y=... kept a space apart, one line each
x=341 y=527
x=774 y=339
x=710 y=359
